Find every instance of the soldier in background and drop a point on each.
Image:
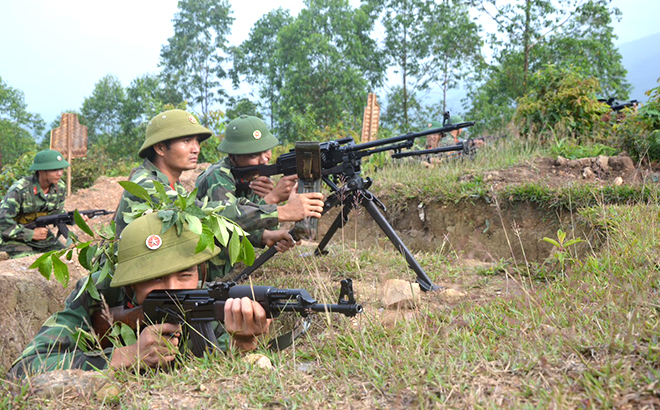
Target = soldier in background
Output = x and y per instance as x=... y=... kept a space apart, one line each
x=445 y=139
x=248 y=142
x=30 y=197
x=141 y=268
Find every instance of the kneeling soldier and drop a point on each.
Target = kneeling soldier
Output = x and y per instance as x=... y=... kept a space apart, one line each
x=39 y=194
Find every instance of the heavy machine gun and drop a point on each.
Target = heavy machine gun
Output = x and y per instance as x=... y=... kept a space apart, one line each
x=341 y=166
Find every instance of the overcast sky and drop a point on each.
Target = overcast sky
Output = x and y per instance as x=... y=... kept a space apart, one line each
x=56 y=50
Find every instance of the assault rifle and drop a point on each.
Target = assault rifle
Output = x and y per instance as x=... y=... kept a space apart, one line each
x=341 y=164
x=62 y=220
x=199 y=308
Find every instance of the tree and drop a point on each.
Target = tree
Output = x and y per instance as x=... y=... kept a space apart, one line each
x=533 y=33
x=102 y=111
x=329 y=62
x=18 y=127
x=257 y=59
x=456 y=45
x=407 y=48
x=194 y=58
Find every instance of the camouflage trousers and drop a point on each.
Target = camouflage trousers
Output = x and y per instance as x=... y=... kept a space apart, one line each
x=17 y=249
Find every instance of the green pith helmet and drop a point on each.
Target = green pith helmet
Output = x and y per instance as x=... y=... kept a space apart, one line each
x=172 y=124
x=47 y=160
x=247 y=135
x=145 y=253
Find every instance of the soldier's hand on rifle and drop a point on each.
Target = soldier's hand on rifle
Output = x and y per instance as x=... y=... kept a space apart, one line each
x=281 y=191
x=245 y=319
x=156 y=346
x=300 y=206
x=281 y=239
x=40 y=234
x=262 y=186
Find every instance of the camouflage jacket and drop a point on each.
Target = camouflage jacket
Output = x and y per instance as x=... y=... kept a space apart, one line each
x=250 y=211
x=26 y=199
x=144 y=175
x=61 y=344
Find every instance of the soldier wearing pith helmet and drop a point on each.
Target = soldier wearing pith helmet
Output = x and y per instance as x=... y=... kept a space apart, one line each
x=148 y=259
x=248 y=141
x=171 y=146
x=30 y=197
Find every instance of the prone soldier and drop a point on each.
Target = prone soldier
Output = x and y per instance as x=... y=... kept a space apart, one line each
x=148 y=259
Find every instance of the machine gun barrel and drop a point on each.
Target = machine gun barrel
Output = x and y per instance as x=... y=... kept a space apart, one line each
x=410 y=136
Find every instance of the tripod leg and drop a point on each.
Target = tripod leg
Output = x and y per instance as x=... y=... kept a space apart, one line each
x=339 y=222
x=424 y=281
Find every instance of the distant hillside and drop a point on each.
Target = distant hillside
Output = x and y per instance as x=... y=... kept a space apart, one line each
x=642 y=60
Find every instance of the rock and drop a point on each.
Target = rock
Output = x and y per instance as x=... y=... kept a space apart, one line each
x=602 y=163
x=621 y=163
x=259 y=360
x=4 y=256
x=588 y=174
x=452 y=295
x=561 y=161
x=398 y=293
x=618 y=181
x=585 y=162
x=68 y=383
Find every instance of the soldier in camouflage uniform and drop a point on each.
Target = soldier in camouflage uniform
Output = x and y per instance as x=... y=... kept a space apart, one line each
x=141 y=268
x=30 y=197
x=171 y=147
x=248 y=141
x=445 y=139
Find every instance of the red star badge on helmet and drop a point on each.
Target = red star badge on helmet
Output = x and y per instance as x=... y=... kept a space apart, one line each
x=154 y=242
x=192 y=119
x=256 y=134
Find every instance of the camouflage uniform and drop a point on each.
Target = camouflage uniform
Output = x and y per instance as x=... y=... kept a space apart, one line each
x=24 y=202
x=144 y=175
x=59 y=345
x=250 y=211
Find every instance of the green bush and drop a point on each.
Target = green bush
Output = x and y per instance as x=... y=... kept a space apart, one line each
x=563 y=103
x=97 y=162
x=18 y=169
x=639 y=133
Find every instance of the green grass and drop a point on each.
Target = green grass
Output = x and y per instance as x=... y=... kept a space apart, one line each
x=521 y=336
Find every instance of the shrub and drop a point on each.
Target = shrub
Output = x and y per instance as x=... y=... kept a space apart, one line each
x=639 y=133
x=11 y=173
x=563 y=103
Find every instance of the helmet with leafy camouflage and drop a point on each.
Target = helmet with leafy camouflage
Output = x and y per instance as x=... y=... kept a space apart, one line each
x=47 y=160
x=146 y=253
x=172 y=124
x=246 y=135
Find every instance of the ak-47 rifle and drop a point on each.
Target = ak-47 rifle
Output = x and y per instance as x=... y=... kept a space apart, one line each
x=197 y=309
x=341 y=164
x=62 y=220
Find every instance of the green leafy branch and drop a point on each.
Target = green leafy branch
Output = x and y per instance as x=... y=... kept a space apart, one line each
x=174 y=208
